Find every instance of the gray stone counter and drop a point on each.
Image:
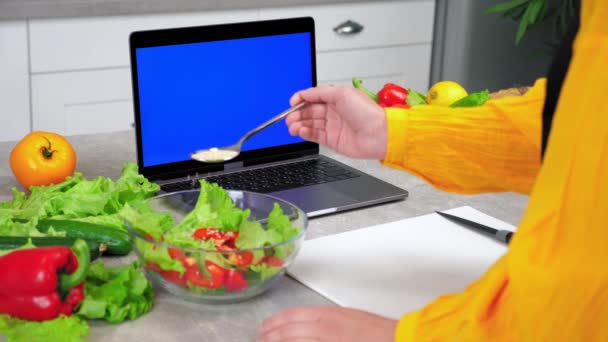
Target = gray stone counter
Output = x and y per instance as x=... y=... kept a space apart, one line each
x=22 y=9
x=174 y=320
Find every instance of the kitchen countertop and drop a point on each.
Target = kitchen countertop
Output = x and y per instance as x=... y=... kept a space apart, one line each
x=174 y=320
x=23 y=9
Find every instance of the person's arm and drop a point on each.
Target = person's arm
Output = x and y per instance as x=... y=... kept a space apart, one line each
x=495 y=147
x=552 y=285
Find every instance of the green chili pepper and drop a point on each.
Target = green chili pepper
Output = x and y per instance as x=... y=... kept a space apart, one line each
x=357 y=84
x=473 y=100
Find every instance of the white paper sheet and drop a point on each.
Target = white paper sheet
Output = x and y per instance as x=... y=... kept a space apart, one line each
x=394 y=268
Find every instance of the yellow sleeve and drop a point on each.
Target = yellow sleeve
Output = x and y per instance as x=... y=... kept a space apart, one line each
x=494 y=147
x=552 y=284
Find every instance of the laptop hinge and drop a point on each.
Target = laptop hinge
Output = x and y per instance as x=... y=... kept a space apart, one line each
x=286 y=156
x=233 y=165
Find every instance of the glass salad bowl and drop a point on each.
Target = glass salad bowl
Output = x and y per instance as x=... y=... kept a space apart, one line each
x=215 y=246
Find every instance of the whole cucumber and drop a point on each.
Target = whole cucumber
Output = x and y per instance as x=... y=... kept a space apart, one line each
x=117 y=241
x=12 y=242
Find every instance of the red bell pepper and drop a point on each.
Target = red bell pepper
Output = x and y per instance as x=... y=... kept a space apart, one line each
x=391 y=95
x=41 y=283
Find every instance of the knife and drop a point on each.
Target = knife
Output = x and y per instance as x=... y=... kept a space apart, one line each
x=499 y=234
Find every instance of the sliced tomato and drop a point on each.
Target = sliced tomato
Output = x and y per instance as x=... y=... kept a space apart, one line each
x=230 y=237
x=215 y=270
x=219 y=238
x=201 y=280
x=195 y=277
x=176 y=253
x=204 y=233
x=241 y=259
x=155 y=247
x=174 y=277
x=153 y=266
x=169 y=275
x=225 y=248
x=235 y=281
x=272 y=261
x=225 y=239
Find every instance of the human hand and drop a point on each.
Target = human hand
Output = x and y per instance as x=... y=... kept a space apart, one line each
x=326 y=324
x=343 y=118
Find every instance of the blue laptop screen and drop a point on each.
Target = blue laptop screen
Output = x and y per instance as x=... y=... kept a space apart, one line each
x=201 y=95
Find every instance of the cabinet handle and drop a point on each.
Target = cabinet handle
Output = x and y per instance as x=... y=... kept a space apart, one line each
x=348 y=28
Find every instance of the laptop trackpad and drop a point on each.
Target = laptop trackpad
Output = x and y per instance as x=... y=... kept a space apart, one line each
x=315 y=198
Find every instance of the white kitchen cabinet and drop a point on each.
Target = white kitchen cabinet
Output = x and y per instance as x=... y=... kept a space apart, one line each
x=394 y=44
x=103 y=42
x=386 y=23
x=406 y=64
x=81 y=78
x=14 y=81
x=80 y=73
x=81 y=102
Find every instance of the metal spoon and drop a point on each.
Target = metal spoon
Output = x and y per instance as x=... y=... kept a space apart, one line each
x=222 y=154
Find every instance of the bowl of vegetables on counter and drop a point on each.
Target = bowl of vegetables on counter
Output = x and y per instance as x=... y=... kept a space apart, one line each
x=215 y=246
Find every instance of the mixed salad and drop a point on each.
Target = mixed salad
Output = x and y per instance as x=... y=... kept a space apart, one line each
x=226 y=249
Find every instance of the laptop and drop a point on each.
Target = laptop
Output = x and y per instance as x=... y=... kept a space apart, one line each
x=202 y=87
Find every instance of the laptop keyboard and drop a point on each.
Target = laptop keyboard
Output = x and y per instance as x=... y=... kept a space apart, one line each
x=273 y=178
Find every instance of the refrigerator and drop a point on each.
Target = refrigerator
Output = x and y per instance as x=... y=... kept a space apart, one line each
x=478 y=50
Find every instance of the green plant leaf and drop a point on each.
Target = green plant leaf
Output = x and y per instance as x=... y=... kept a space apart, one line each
x=537 y=11
x=515 y=13
x=529 y=13
x=531 y=17
x=506 y=6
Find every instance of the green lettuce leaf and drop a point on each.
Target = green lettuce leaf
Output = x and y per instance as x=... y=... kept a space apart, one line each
x=144 y=221
x=183 y=238
x=279 y=222
x=214 y=208
x=62 y=329
x=132 y=186
x=18 y=199
x=231 y=219
x=201 y=215
x=253 y=235
x=160 y=255
x=116 y=293
x=10 y=227
x=76 y=198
